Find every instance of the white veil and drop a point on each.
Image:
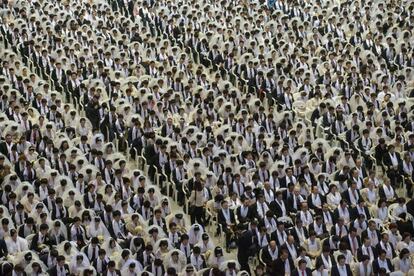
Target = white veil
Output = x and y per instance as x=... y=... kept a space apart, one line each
x=76 y=268
x=99 y=230
x=180 y=264
x=193 y=236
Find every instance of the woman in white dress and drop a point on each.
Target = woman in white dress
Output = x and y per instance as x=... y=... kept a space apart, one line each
x=161 y=248
x=343 y=250
x=334 y=197
x=15 y=244
x=382 y=211
x=67 y=249
x=97 y=228
x=205 y=244
x=216 y=258
x=387 y=191
x=130 y=267
x=112 y=248
x=370 y=194
x=36 y=268
x=176 y=259
x=313 y=245
x=78 y=263
x=320 y=270
x=406 y=243
x=195 y=234
x=29 y=202
x=403 y=261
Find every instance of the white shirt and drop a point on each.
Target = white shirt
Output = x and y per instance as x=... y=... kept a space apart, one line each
x=405 y=265
x=365 y=270
x=342 y=270
x=326 y=262
x=383 y=264
x=287 y=267
x=388 y=191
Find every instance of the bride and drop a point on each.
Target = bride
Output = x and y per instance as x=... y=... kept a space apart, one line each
x=97 y=229
x=78 y=263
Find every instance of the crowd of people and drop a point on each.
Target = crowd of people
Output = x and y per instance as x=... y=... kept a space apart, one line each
x=284 y=129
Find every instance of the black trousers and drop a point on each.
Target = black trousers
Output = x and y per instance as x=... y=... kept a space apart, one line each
x=197 y=215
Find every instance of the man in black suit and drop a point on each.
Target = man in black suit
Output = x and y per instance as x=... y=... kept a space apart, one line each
x=244 y=244
x=59 y=211
x=341 y=268
x=392 y=162
x=328 y=117
x=382 y=262
x=283 y=265
x=3 y=249
x=372 y=233
x=352 y=134
x=352 y=240
x=157 y=219
x=316 y=200
x=269 y=254
x=302 y=270
x=366 y=250
x=325 y=259
x=60 y=266
x=319 y=227
x=157 y=268
x=299 y=231
x=5 y=147
x=359 y=209
x=101 y=263
x=317 y=113
x=352 y=195
x=111 y=271
x=278 y=206
x=386 y=246
x=291 y=247
x=227 y=221
x=244 y=212
x=41 y=239
x=294 y=201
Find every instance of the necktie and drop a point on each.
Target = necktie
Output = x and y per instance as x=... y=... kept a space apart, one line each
x=93 y=253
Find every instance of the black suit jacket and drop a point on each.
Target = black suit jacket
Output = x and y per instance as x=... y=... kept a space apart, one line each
x=296 y=272
x=345 y=239
x=222 y=219
x=378 y=248
x=276 y=209
x=310 y=202
x=353 y=213
x=360 y=254
x=388 y=162
x=345 y=195
x=35 y=242
x=117 y=272
x=53 y=270
x=335 y=270
x=295 y=234
x=249 y=216
x=244 y=244
x=3 y=249
x=278 y=267
x=376 y=267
